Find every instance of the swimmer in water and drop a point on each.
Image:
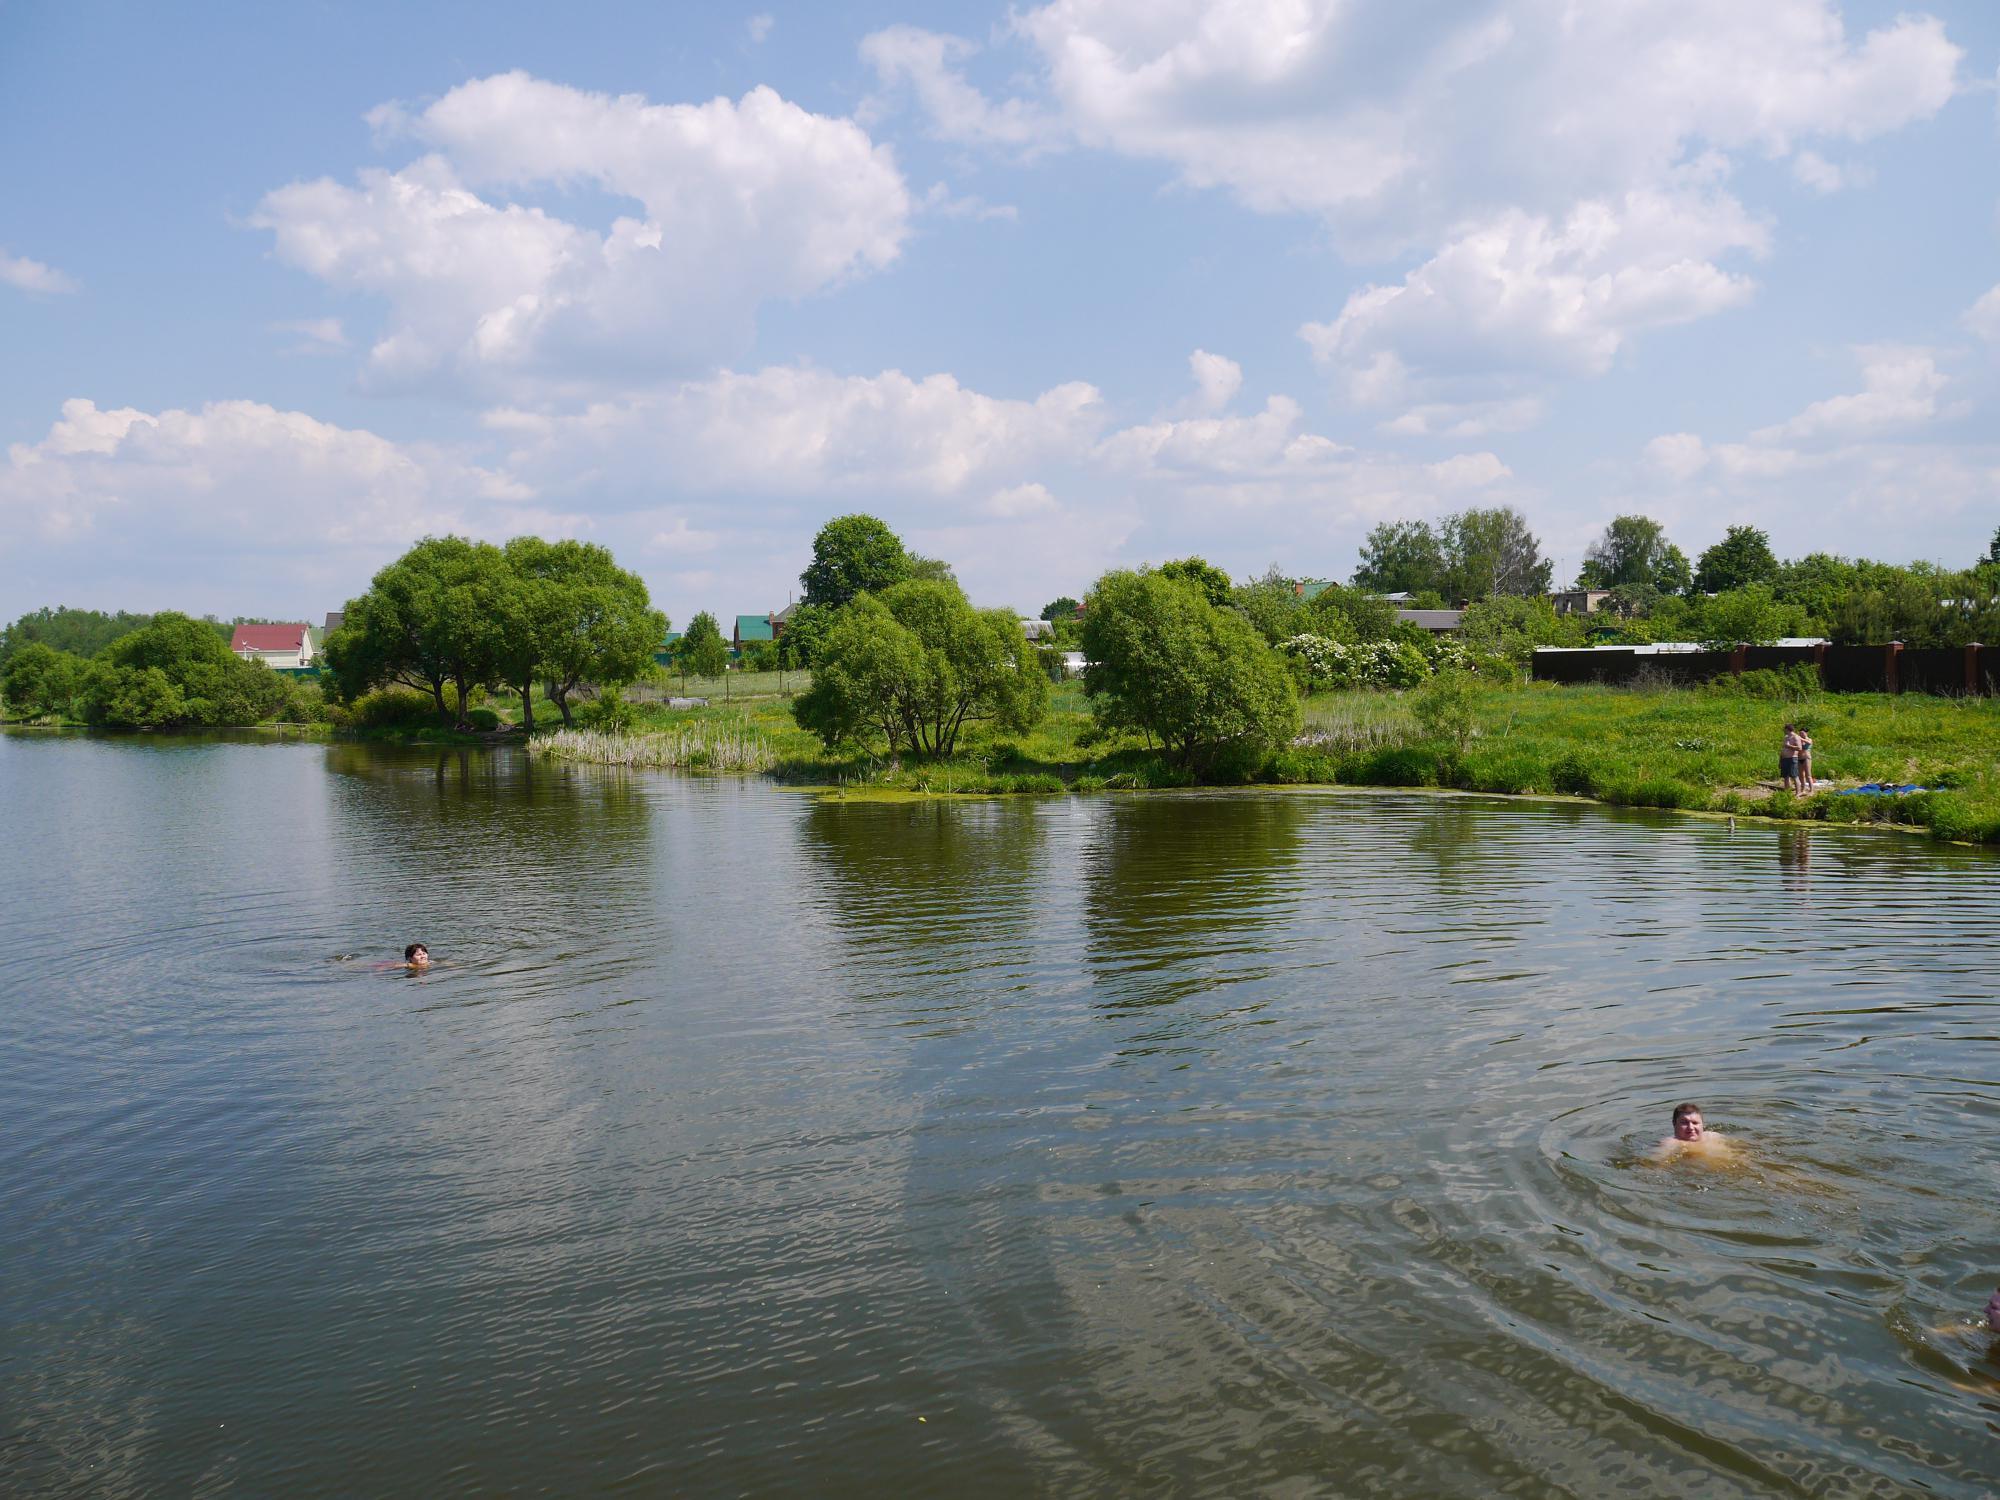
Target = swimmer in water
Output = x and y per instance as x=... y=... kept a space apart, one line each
x=1692 y=1137
x=416 y=958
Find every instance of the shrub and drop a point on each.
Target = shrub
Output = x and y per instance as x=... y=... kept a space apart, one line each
x=393 y=708
x=1443 y=707
x=1407 y=765
x=1509 y=772
x=483 y=719
x=607 y=713
x=1294 y=766
x=1574 y=776
x=1088 y=784
x=1658 y=791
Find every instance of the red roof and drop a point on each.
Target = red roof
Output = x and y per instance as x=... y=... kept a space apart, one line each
x=268 y=638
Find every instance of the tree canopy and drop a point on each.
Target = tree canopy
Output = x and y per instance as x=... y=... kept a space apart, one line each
x=1743 y=556
x=1203 y=574
x=703 y=649
x=1200 y=680
x=1401 y=557
x=1060 y=608
x=852 y=555
x=1634 y=551
x=915 y=665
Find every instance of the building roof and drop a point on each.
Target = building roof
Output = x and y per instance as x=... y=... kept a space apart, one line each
x=754 y=628
x=268 y=638
x=1311 y=588
x=334 y=618
x=1431 y=619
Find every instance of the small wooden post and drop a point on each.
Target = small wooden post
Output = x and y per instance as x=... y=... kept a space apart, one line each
x=1819 y=663
x=1737 y=658
x=1971 y=669
x=1891 y=678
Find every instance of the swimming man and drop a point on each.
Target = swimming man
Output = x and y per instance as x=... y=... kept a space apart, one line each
x=1692 y=1137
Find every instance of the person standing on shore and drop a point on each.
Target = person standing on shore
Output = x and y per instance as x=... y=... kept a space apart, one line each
x=1805 y=761
x=1788 y=759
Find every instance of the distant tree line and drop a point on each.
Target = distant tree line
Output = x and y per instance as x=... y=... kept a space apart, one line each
x=165 y=671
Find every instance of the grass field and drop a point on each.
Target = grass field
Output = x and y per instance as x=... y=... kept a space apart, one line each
x=1693 y=748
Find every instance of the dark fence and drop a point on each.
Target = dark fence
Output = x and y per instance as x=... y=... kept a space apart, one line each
x=1894 y=668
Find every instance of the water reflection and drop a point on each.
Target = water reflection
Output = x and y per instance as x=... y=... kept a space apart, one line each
x=1213 y=1144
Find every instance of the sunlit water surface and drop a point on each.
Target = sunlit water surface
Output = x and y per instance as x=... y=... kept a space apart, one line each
x=744 y=1143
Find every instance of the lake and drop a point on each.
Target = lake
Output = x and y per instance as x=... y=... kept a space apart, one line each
x=747 y=1143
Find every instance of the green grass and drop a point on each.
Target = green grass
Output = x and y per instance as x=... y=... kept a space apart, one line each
x=1660 y=747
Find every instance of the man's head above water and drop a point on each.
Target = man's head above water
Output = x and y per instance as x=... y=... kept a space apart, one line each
x=1688 y=1124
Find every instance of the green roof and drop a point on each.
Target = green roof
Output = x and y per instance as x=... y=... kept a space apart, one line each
x=1312 y=588
x=754 y=628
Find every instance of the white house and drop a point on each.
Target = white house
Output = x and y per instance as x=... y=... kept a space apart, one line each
x=275 y=645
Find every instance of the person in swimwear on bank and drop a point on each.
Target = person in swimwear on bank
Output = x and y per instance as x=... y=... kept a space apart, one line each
x=1692 y=1137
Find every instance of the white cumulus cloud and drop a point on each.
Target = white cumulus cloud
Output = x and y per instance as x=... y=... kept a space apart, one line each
x=32 y=276
x=735 y=203
x=1900 y=389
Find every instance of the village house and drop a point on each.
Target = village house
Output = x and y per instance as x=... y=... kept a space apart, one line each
x=286 y=646
x=1579 y=601
x=752 y=629
x=1436 y=621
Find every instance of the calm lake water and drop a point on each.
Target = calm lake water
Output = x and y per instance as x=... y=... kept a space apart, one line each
x=1192 y=1144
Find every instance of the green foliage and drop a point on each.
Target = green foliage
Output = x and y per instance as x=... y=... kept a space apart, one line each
x=1204 y=575
x=1402 y=557
x=395 y=708
x=804 y=632
x=1061 y=608
x=174 y=671
x=1318 y=663
x=914 y=666
x=438 y=615
x=1492 y=554
x=1349 y=615
x=1748 y=615
x=1272 y=604
x=570 y=616
x=135 y=698
x=1444 y=706
x=1634 y=550
x=81 y=632
x=38 y=680
x=607 y=713
x=1571 y=774
x=484 y=720
x=852 y=555
x=1198 y=679
x=1513 y=628
x=1742 y=557
x=1920 y=607
x=760 y=656
x=703 y=651
x=1792 y=684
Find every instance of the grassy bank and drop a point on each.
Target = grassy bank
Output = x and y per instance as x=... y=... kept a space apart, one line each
x=1688 y=748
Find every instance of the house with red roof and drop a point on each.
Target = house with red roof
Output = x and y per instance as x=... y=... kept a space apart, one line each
x=275 y=645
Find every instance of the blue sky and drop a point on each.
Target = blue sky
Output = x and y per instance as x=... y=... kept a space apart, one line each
x=1051 y=289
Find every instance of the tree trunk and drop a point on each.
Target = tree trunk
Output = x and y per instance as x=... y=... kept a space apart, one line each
x=459 y=684
x=528 y=706
x=561 y=697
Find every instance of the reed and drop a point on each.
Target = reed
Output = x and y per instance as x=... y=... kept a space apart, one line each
x=695 y=745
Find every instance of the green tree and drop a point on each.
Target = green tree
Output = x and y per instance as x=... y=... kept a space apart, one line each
x=1992 y=549
x=1492 y=554
x=1204 y=575
x=435 y=617
x=852 y=555
x=132 y=698
x=1272 y=604
x=211 y=685
x=39 y=680
x=1401 y=557
x=1634 y=550
x=1443 y=707
x=932 y=569
x=81 y=632
x=1350 y=615
x=573 y=616
x=1062 y=608
x=704 y=651
x=1743 y=556
x=1513 y=628
x=803 y=633
x=1750 y=615
x=915 y=666
x=1197 y=679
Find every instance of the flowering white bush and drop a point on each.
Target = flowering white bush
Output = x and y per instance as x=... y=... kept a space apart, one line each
x=1361 y=664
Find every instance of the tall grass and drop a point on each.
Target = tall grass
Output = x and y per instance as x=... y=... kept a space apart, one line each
x=696 y=745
